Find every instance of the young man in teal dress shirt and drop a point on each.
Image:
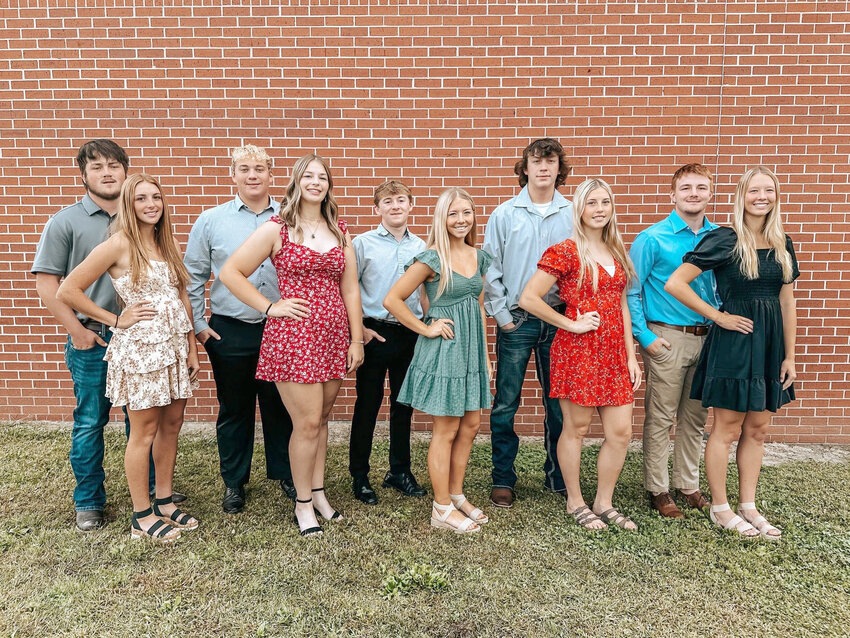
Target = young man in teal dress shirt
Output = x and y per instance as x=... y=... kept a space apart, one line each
x=671 y=337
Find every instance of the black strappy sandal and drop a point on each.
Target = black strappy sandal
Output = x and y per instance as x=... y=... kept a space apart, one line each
x=334 y=517
x=159 y=532
x=177 y=518
x=310 y=531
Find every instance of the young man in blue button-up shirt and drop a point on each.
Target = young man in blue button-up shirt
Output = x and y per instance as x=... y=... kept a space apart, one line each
x=234 y=332
x=517 y=234
x=671 y=337
x=381 y=256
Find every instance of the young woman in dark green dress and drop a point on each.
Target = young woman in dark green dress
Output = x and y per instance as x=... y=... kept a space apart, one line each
x=449 y=376
x=746 y=369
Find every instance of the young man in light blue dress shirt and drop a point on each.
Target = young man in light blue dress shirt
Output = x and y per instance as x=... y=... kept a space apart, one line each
x=671 y=337
x=381 y=256
x=517 y=234
x=233 y=334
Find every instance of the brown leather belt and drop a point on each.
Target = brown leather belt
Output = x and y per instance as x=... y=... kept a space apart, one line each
x=699 y=331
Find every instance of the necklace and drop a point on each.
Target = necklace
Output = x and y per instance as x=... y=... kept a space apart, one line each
x=315 y=228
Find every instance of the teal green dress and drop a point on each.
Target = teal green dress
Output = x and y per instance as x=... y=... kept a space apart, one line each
x=448 y=377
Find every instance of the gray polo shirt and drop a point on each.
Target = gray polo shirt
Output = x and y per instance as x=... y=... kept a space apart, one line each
x=67 y=239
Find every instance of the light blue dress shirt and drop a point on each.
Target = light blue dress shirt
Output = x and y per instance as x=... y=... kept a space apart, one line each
x=214 y=237
x=656 y=253
x=516 y=236
x=380 y=263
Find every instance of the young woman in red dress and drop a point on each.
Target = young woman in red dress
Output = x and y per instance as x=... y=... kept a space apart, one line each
x=593 y=364
x=314 y=334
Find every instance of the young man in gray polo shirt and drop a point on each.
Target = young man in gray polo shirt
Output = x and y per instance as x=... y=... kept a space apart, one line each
x=233 y=334
x=381 y=256
x=68 y=237
x=517 y=234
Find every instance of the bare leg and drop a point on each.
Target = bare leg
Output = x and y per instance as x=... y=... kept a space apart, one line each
x=143 y=430
x=165 y=450
x=470 y=423
x=304 y=402
x=726 y=430
x=617 y=425
x=576 y=423
x=320 y=501
x=749 y=459
x=440 y=462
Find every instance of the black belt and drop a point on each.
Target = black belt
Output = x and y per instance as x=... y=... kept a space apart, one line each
x=699 y=331
x=383 y=323
x=96 y=326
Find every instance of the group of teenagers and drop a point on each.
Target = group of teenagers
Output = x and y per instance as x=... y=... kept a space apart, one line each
x=296 y=304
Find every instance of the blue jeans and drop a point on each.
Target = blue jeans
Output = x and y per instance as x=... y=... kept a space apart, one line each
x=88 y=372
x=513 y=350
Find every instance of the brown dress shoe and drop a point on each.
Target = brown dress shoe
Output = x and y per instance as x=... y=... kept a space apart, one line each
x=665 y=505
x=695 y=499
x=502 y=496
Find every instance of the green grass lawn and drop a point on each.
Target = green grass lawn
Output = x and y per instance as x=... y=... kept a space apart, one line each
x=384 y=572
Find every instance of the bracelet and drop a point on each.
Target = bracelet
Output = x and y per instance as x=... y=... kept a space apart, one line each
x=117 y=317
x=266 y=313
x=361 y=341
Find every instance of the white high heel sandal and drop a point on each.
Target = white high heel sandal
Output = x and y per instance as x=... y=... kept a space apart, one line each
x=759 y=522
x=476 y=515
x=735 y=524
x=441 y=520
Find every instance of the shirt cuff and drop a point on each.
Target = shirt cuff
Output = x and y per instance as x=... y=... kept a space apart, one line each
x=503 y=317
x=646 y=338
x=201 y=325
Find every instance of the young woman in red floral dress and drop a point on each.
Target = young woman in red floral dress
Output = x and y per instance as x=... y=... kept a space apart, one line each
x=593 y=364
x=314 y=334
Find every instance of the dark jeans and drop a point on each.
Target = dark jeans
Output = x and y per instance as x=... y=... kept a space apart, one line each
x=513 y=350
x=394 y=357
x=88 y=372
x=234 y=364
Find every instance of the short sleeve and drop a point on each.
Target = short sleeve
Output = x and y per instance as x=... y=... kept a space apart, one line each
x=53 y=250
x=428 y=257
x=484 y=261
x=795 y=270
x=558 y=260
x=716 y=249
x=342 y=225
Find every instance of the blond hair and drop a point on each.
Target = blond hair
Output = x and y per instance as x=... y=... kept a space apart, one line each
x=771 y=231
x=249 y=151
x=438 y=236
x=290 y=210
x=128 y=224
x=610 y=235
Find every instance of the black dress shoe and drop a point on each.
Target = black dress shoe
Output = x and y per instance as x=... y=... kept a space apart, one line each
x=88 y=520
x=288 y=488
x=234 y=500
x=404 y=482
x=176 y=497
x=363 y=491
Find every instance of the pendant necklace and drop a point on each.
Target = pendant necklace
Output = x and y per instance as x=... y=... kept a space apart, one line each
x=315 y=228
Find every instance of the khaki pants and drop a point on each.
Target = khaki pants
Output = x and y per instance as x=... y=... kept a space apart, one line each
x=668 y=386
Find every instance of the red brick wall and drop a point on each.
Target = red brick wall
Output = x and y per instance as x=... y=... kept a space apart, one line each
x=436 y=93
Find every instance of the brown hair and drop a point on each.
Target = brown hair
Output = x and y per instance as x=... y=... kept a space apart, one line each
x=107 y=149
x=290 y=210
x=544 y=147
x=692 y=169
x=392 y=187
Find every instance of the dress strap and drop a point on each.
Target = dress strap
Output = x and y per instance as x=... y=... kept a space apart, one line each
x=342 y=225
x=284 y=231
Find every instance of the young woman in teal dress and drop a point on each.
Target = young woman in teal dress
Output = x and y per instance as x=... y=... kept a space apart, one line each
x=449 y=377
x=746 y=369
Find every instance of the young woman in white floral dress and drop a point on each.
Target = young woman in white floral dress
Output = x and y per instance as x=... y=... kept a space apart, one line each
x=152 y=356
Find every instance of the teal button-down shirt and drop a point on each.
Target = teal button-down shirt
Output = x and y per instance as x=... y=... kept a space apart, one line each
x=656 y=253
x=380 y=263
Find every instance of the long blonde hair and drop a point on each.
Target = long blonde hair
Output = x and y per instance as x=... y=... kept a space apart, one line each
x=128 y=223
x=438 y=236
x=290 y=211
x=771 y=232
x=610 y=235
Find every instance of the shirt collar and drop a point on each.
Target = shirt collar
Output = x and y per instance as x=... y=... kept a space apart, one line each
x=273 y=206
x=383 y=232
x=523 y=200
x=90 y=207
x=678 y=224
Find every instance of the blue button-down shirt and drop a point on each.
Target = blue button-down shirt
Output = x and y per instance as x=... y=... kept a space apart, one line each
x=516 y=236
x=215 y=236
x=656 y=253
x=380 y=263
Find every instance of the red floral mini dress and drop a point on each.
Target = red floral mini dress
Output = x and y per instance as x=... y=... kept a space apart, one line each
x=589 y=369
x=313 y=349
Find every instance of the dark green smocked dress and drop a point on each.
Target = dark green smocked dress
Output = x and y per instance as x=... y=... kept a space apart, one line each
x=448 y=377
x=738 y=371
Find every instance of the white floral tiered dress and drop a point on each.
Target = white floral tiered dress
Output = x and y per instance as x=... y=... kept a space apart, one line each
x=147 y=361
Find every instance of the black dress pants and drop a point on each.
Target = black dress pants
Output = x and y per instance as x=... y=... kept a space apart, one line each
x=234 y=364
x=392 y=356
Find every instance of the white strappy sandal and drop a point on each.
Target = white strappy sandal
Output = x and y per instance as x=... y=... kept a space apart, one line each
x=476 y=514
x=468 y=526
x=760 y=523
x=735 y=524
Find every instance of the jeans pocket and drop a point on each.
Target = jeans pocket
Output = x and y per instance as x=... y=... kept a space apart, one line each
x=519 y=318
